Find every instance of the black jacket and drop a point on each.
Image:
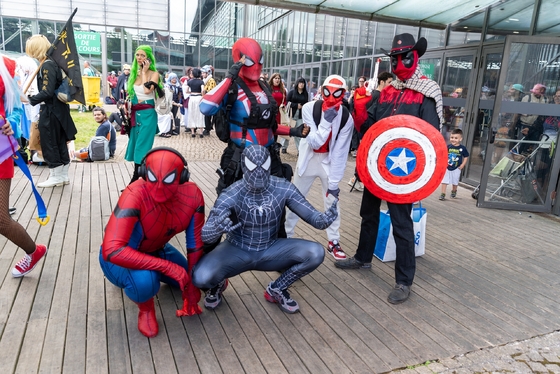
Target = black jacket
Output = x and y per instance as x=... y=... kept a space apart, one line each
x=392 y=101
x=295 y=98
x=54 y=110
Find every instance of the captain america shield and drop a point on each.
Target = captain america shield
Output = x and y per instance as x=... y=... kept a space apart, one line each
x=402 y=159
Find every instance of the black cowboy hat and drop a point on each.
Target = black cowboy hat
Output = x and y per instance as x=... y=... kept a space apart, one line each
x=405 y=42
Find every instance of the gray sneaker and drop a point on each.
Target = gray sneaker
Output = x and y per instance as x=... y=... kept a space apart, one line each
x=213 y=296
x=352 y=263
x=399 y=294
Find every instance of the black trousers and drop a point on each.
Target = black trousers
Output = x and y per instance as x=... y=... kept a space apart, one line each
x=403 y=232
x=175 y=121
x=208 y=123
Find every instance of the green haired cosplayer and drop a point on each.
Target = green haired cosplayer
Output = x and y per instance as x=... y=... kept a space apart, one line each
x=143 y=84
x=134 y=69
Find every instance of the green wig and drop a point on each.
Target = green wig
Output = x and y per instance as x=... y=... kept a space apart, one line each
x=134 y=69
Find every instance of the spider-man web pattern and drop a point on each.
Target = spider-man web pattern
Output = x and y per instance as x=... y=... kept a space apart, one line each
x=254 y=205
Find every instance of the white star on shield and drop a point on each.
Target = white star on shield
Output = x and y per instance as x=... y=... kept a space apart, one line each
x=401 y=161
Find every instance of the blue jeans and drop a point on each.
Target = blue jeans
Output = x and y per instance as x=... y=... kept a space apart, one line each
x=142 y=285
x=300 y=257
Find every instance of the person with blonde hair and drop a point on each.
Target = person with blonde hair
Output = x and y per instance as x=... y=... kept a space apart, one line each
x=143 y=83
x=56 y=127
x=10 y=113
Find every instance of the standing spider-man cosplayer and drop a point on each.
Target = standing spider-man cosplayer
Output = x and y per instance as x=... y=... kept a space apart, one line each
x=413 y=94
x=252 y=116
x=136 y=255
x=250 y=211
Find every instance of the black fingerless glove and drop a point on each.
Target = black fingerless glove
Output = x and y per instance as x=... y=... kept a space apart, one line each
x=233 y=72
x=297 y=131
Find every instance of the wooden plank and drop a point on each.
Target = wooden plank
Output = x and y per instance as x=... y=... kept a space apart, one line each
x=183 y=356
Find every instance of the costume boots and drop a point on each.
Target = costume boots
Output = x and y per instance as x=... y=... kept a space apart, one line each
x=64 y=174
x=147 y=322
x=55 y=178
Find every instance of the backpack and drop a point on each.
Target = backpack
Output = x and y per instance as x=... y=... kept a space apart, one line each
x=98 y=149
x=220 y=120
x=63 y=91
x=318 y=110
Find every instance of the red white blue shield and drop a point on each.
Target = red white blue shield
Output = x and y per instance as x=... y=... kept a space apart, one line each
x=402 y=159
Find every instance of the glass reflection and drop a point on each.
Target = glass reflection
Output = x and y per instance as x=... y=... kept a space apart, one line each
x=455 y=86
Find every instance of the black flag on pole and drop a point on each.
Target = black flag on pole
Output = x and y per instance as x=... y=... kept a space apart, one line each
x=64 y=52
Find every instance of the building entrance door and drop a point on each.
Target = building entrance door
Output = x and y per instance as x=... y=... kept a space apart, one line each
x=484 y=89
x=521 y=166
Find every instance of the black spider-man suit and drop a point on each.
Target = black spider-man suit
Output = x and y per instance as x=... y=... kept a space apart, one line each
x=250 y=211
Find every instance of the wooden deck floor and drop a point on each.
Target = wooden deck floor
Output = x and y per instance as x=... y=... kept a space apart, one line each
x=488 y=277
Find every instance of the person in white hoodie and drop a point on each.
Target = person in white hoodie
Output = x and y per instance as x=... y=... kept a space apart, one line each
x=323 y=154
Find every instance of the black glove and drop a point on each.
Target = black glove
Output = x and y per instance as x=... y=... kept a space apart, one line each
x=233 y=72
x=297 y=131
x=330 y=114
x=335 y=193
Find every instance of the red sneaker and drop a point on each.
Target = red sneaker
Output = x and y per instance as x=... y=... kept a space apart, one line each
x=334 y=249
x=28 y=262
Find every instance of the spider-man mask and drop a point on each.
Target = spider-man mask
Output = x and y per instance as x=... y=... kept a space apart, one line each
x=333 y=89
x=254 y=58
x=404 y=64
x=163 y=172
x=255 y=164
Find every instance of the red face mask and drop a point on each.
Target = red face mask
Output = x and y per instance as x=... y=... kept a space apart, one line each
x=404 y=65
x=333 y=93
x=254 y=58
x=163 y=173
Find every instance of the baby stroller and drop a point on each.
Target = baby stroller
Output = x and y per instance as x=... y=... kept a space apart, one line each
x=516 y=175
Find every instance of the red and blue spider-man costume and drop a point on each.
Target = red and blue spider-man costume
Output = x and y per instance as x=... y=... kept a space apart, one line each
x=135 y=254
x=248 y=125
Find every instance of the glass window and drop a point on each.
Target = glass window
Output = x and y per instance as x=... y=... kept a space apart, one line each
x=526 y=130
x=545 y=23
x=384 y=37
x=364 y=67
x=511 y=17
x=456 y=79
x=463 y=37
x=348 y=72
x=435 y=38
x=430 y=67
x=318 y=37
x=340 y=33
x=329 y=37
x=12 y=35
x=352 y=36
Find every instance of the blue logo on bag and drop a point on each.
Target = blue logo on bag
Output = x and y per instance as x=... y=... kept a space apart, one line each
x=417 y=238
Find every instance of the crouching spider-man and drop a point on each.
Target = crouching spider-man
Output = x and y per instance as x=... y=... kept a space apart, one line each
x=135 y=254
x=250 y=211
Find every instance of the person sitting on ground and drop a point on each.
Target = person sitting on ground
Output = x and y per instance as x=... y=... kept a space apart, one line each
x=105 y=129
x=116 y=118
x=136 y=254
x=250 y=212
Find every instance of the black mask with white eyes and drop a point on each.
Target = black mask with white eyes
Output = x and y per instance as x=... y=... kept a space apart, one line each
x=255 y=165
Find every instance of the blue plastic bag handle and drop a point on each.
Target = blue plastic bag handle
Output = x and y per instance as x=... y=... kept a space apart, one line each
x=43 y=218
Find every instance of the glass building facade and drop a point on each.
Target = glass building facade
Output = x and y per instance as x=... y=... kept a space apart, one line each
x=200 y=32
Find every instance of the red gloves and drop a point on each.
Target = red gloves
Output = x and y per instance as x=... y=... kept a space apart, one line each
x=191 y=294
